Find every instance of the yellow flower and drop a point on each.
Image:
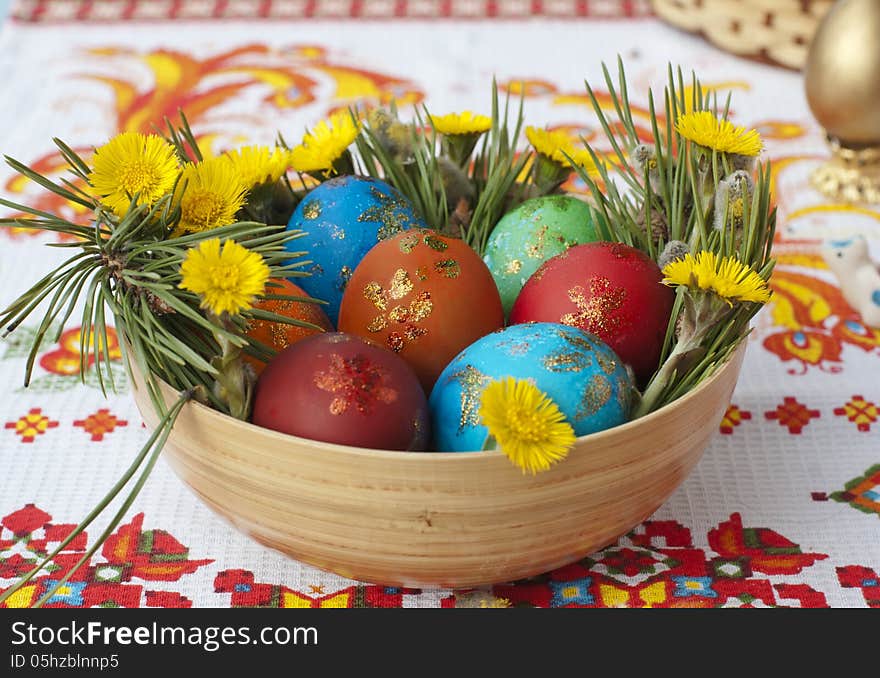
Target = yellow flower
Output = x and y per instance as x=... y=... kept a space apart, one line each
x=325 y=144
x=556 y=145
x=527 y=425
x=705 y=129
x=727 y=277
x=133 y=164
x=551 y=144
x=465 y=122
x=581 y=158
x=257 y=165
x=228 y=280
x=209 y=194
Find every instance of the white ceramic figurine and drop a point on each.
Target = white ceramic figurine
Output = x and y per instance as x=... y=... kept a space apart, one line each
x=857 y=274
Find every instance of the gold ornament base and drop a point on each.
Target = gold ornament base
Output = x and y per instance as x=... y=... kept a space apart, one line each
x=851 y=175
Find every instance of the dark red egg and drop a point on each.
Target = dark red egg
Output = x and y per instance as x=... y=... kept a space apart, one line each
x=609 y=289
x=339 y=388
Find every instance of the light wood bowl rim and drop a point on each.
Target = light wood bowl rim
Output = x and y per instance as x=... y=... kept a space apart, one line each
x=582 y=442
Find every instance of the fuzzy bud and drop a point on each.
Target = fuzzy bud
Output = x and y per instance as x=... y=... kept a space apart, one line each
x=730 y=198
x=674 y=250
x=645 y=156
x=395 y=136
x=745 y=163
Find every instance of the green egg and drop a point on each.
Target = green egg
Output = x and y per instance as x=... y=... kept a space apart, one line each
x=526 y=237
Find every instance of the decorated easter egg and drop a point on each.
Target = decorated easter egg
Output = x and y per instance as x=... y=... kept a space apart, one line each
x=424 y=296
x=609 y=289
x=342 y=219
x=575 y=369
x=339 y=388
x=277 y=335
x=535 y=231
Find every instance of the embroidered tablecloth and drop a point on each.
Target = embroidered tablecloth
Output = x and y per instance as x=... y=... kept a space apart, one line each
x=784 y=507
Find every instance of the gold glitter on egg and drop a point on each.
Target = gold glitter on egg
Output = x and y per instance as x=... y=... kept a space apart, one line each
x=413 y=332
x=473 y=383
x=448 y=268
x=337 y=233
x=398 y=314
x=576 y=339
x=408 y=242
x=377 y=324
x=542 y=270
x=595 y=313
x=312 y=209
x=401 y=285
x=421 y=307
x=278 y=335
x=373 y=294
x=514 y=266
x=573 y=361
x=536 y=251
x=422 y=273
x=435 y=243
x=395 y=342
x=355 y=382
x=595 y=396
x=391 y=212
x=607 y=364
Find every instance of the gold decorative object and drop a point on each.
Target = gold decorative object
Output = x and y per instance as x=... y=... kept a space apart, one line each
x=772 y=31
x=843 y=90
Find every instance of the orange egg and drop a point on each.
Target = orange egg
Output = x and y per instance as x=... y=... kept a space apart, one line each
x=279 y=336
x=424 y=296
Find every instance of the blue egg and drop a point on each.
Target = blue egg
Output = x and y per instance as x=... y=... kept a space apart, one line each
x=577 y=370
x=342 y=219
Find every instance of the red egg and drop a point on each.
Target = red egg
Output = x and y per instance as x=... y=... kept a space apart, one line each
x=609 y=289
x=424 y=296
x=342 y=389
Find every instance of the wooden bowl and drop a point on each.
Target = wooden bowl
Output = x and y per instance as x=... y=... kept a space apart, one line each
x=452 y=520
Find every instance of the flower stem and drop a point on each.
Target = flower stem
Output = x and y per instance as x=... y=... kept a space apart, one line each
x=234 y=382
x=683 y=354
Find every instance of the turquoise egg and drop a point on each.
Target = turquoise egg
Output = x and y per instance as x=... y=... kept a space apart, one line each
x=342 y=219
x=535 y=231
x=579 y=372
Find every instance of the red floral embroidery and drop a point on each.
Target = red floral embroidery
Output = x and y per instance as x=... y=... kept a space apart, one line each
x=100 y=423
x=65 y=360
x=864 y=578
x=31 y=425
x=131 y=553
x=733 y=418
x=859 y=411
x=793 y=415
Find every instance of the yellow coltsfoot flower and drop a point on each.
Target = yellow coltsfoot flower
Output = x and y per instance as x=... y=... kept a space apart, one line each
x=706 y=129
x=727 y=277
x=325 y=144
x=466 y=122
x=209 y=194
x=228 y=280
x=526 y=424
x=133 y=164
x=552 y=145
x=257 y=165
